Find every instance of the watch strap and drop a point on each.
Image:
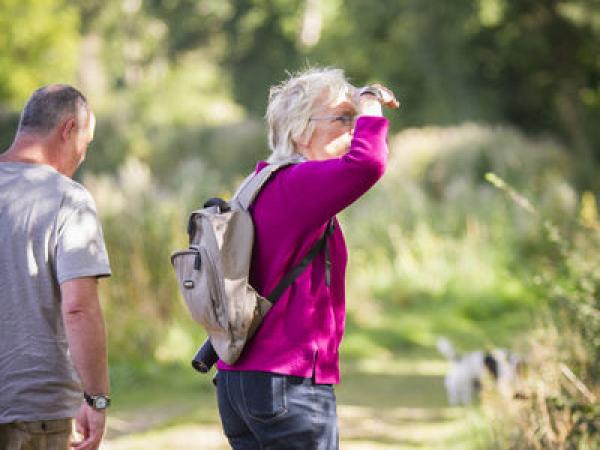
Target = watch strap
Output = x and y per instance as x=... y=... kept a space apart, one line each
x=97 y=401
x=372 y=90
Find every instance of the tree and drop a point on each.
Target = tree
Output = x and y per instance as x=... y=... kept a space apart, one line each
x=530 y=63
x=262 y=44
x=38 y=45
x=541 y=59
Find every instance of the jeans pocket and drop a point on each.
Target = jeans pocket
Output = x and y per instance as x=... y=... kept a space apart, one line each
x=264 y=395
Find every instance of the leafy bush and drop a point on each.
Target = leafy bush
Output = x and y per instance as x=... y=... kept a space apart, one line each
x=142 y=225
x=558 y=403
x=434 y=240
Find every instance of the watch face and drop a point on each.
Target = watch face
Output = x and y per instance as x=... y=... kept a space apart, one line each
x=101 y=403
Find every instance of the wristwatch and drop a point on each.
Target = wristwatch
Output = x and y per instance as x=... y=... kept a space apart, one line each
x=383 y=94
x=372 y=90
x=97 y=401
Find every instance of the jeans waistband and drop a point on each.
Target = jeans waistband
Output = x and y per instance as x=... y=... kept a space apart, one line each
x=292 y=379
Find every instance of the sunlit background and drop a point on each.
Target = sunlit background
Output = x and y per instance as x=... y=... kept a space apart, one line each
x=484 y=229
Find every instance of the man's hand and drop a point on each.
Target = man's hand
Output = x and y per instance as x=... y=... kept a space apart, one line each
x=90 y=424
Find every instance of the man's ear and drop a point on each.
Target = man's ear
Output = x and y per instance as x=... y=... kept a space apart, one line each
x=67 y=127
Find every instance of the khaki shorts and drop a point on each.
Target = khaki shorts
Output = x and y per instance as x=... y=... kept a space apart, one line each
x=38 y=435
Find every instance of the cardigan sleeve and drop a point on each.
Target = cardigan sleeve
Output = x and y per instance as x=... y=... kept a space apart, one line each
x=315 y=191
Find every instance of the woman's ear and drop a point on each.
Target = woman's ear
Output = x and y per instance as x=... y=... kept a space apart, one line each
x=301 y=142
x=300 y=148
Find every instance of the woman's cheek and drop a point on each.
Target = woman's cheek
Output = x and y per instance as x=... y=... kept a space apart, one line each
x=340 y=145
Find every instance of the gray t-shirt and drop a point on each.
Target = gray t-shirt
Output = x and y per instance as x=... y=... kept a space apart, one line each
x=49 y=233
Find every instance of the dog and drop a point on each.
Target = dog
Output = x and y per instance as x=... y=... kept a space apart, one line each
x=467 y=372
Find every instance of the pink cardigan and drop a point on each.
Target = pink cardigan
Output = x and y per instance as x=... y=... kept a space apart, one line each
x=302 y=333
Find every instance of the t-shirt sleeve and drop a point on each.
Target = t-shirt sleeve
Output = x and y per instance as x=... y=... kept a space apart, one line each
x=80 y=250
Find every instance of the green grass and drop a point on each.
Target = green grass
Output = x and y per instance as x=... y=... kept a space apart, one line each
x=406 y=330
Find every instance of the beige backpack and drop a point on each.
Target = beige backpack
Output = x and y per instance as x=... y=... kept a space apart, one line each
x=213 y=272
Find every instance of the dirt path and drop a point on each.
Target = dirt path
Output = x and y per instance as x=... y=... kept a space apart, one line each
x=393 y=406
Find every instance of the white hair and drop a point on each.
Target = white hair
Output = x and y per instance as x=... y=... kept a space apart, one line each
x=292 y=103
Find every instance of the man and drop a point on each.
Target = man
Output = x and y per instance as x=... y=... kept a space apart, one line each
x=52 y=335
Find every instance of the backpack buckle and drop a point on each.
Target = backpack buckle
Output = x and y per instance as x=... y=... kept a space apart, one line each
x=221 y=204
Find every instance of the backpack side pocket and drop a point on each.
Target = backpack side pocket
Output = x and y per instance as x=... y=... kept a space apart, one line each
x=194 y=275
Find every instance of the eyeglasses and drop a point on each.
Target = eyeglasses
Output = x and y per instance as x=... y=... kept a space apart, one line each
x=346 y=120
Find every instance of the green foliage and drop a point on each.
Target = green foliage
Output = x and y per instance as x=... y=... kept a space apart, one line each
x=182 y=114
x=8 y=127
x=190 y=24
x=38 y=45
x=178 y=86
x=557 y=406
x=142 y=226
x=420 y=48
x=436 y=251
x=528 y=63
x=531 y=64
x=261 y=47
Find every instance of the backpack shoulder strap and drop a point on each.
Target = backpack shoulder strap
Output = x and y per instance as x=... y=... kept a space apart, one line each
x=246 y=194
x=254 y=182
x=291 y=276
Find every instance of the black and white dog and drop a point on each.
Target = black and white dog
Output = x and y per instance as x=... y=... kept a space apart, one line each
x=468 y=371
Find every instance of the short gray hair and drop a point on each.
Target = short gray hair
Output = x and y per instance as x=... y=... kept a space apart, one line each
x=48 y=105
x=291 y=104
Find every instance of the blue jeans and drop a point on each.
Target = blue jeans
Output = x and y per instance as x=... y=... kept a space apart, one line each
x=261 y=410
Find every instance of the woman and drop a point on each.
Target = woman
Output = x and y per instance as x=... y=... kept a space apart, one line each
x=279 y=394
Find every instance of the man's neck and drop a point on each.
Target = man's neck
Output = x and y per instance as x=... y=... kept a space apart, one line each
x=22 y=157
x=30 y=150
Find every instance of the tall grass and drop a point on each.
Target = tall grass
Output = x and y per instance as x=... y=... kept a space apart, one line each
x=143 y=223
x=557 y=404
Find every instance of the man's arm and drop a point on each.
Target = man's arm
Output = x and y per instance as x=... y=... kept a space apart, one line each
x=86 y=335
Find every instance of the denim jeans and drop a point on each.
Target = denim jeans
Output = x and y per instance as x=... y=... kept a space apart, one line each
x=38 y=435
x=261 y=410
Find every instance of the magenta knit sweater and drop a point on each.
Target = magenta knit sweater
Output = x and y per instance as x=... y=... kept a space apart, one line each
x=302 y=333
